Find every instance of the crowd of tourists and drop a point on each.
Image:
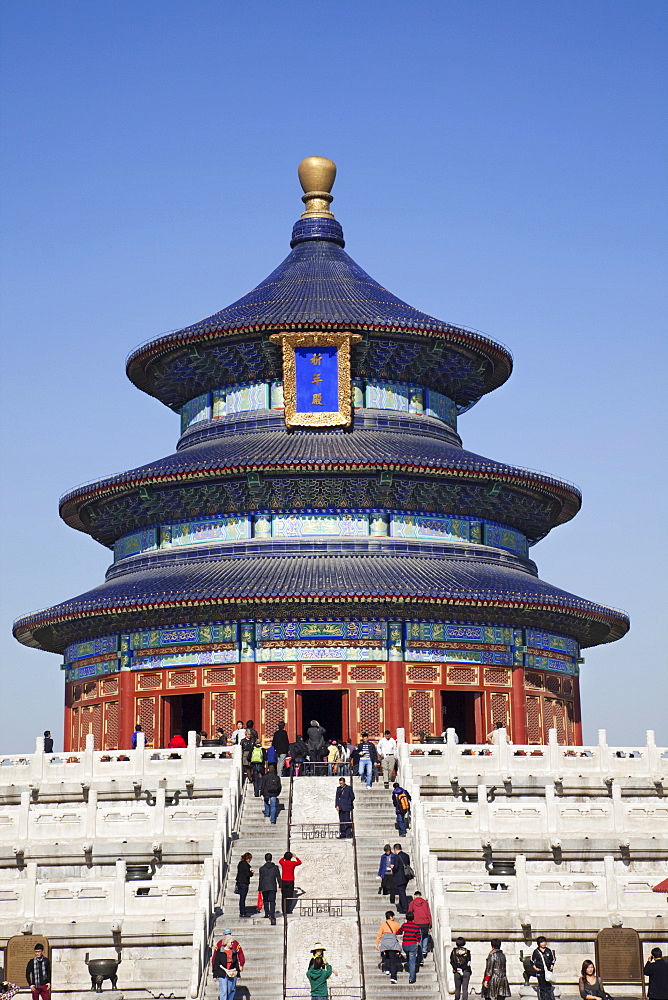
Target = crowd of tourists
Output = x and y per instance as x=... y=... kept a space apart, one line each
x=403 y=943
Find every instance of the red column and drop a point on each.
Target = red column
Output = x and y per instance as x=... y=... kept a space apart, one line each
x=126 y=709
x=577 y=715
x=518 y=733
x=480 y=729
x=247 y=707
x=395 y=715
x=67 y=725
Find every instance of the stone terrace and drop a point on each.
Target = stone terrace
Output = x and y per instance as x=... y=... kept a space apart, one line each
x=70 y=824
x=586 y=829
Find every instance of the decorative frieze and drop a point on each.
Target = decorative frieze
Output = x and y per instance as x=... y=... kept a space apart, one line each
x=220 y=528
x=376 y=394
x=336 y=641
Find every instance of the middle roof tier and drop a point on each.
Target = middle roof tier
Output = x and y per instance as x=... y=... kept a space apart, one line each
x=389 y=462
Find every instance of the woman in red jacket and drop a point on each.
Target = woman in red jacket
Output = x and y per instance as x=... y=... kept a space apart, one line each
x=288 y=863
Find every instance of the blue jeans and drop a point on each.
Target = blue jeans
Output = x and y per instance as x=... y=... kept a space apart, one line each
x=401 y=822
x=411 y=954
x=366 y=771
x=243 y=892
x=270 y=807
x=422 y=950
x=227 y=987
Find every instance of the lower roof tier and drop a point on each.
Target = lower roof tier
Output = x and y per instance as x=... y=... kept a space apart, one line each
x=307 y=579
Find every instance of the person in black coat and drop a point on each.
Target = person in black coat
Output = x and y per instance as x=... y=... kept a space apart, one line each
x=281 y=744
x=315 y=734
x=38 y=974
x=270 y=789
x=270 y=879
x=48 y=741
x=543 y=962
x=244 y=876
x=298 y=754
x=400 y=862
x=343 y=802
x=656 y=969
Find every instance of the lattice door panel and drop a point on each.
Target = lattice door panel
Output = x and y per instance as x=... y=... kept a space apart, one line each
x=111 y=726
x=146 y=717
x=553 y=714
x=570 y=723
x=534 y=719
x=499 y=709
x=75 y=741
x=222 y=712
x=91 y=722
x=421 y=713
x=274 y=709
x=553 y=683
x=370 y=713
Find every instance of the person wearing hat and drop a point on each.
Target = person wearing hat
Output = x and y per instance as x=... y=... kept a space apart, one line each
x=317 y=974
x=227 y=962
x=318 y=950
x=38 y=974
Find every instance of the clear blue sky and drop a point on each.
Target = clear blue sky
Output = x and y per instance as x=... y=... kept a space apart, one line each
x=501 y=165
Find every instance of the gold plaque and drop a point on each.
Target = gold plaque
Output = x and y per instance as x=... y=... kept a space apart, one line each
x=317 y=381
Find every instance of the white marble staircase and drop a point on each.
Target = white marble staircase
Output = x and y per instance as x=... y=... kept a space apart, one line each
x=262 y=978
x=375 y=825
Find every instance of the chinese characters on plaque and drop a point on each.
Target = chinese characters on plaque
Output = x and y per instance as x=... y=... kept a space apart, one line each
x=317 y=380
x=317 y=376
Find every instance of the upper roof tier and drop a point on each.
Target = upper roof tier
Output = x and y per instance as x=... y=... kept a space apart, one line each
x=317 y=286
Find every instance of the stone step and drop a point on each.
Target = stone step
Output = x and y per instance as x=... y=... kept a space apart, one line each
x=261 y=941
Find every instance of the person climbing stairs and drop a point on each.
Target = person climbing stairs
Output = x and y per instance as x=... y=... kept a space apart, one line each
x=375 y=825
x=262 y=943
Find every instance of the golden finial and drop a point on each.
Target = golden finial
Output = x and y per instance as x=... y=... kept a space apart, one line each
x=316 y=176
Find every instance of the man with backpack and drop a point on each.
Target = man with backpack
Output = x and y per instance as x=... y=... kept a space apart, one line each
x=403 y=873
x=256 y=760
x=401 y=801
x=227 y=962
x=270 y=789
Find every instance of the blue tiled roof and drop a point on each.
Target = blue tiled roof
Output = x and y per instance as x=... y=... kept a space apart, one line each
x=324 y=451
x=453 y=583
x=318 y=285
